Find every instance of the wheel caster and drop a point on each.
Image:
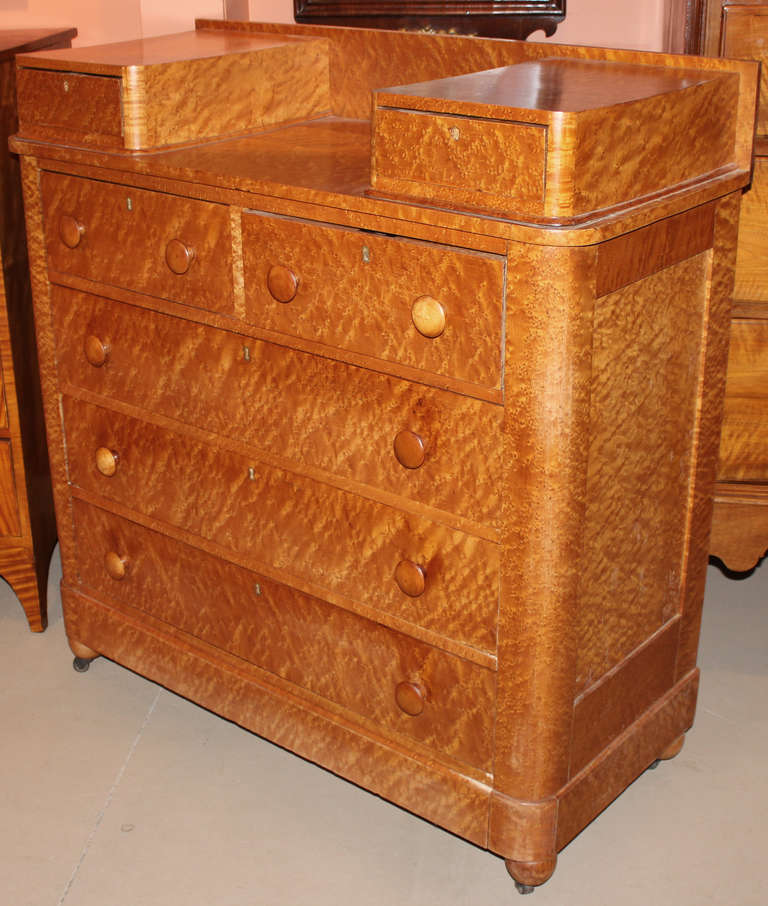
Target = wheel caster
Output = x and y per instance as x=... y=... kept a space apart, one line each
x=524 y=888
x=81 y=664
x=653 y=765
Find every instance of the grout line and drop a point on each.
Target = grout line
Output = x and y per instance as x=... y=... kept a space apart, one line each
x=108 y=801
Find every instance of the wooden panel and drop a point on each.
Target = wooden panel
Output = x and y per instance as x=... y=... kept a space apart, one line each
x=241 y=388
x=295 y=525
x=646 y=373
x=356 y=290
x=125 y=236
x=3 y=404
x=641 y=253
x=740 y=525
x=296 y=637
x=745 y=37
x=57 y=104
x=484 y=163
x=620 y=698
x=744 y=440
x=9 y=506
x=752 y=249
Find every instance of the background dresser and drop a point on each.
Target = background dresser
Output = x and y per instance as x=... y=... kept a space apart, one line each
x=27 y=525
x=740 y=525
x=383 y=375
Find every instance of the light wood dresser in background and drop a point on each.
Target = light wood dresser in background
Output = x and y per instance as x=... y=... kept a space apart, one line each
x=27 y=524
x=740 y=524
x=384 y=420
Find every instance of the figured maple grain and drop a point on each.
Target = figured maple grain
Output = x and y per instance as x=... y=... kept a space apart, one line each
x=356 y=291
x=217 y=386
x=9 y=506
x=125 y=235
x=56 y=102
x=752 y=250
x=296 y=525
x=459 y=159
x=744 y=441
x=545 y=443
x=338 y=655
x=740 y=525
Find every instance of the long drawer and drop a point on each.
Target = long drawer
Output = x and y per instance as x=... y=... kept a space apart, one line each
x=744 y=440
x=419 y=570
x=428 y=306
x=433 y=446
x=349 y=660
x=149 y=242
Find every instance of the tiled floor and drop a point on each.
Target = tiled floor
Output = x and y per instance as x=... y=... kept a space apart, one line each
x=115 y=792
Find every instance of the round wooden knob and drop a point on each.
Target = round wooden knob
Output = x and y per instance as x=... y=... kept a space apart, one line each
x=71 y=231
x=179 y=256
x=115 y=565
x=410 y=697
x=409 y=449
x=106 y=461
x=411 y=578
x=96 y=350
x=282 y=283
x=428 y=316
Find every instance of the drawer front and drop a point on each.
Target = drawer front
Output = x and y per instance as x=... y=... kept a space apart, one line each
x=379 y=556
x=428 y=306
x=338 y=655
x=752 y=248
x=492 y=163
x=744 y=441
x=433 y=446
x=50 y=102
x=745 y=37
x=162 y=245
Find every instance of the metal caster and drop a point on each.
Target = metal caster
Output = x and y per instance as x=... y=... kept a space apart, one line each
x=653 y=765
x=81 y=664
x=524 y=888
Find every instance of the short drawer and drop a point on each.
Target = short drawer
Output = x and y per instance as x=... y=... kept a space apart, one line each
x=434 y=446
x=312 y=533
x=460 y=159
x=59 y=104
x=162 y=245
x=744 y=440
x=428 y=306
x=751 y=280
x=347 y=659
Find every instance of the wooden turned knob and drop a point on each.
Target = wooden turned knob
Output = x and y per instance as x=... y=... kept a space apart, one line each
x=410 y=697
x=179 y=256
x=409 y=449
x=106 y=461
x=96 y=350
x=282 y=283
x=115 y=565
x=428 y=316
x=71 y=231
x=411 y=578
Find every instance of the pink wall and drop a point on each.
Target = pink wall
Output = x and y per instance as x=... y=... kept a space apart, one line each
x=618 y=23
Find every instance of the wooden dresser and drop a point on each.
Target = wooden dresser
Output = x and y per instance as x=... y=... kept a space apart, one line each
x=27 y=524
x=384 y=420
x=740 y=525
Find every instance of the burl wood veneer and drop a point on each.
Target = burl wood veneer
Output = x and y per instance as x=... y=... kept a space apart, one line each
x=27 y=522
x=390 y=433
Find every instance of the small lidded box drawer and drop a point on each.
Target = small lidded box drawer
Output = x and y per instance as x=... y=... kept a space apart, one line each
x=552 y=139
x=171 y=89
x=431 y=307
x=149 y=242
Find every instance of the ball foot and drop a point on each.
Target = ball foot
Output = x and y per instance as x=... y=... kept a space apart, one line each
x=530 y=875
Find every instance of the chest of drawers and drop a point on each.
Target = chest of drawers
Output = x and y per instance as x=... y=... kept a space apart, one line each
x=415 y=487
